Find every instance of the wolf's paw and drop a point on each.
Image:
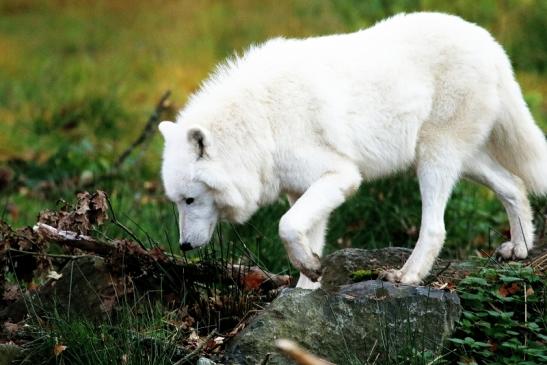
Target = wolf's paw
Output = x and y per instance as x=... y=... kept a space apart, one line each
x=306 y=283
x=397 y=276
x=312 y=269
x=410 y=279
x=511 y=251
x=392 y=275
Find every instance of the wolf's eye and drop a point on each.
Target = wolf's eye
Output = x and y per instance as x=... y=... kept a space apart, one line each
x=189 y=201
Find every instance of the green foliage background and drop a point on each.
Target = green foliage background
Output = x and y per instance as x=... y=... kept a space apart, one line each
x=79 y=79
x=510 y=331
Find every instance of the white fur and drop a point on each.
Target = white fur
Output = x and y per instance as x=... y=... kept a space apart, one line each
x=314 y=117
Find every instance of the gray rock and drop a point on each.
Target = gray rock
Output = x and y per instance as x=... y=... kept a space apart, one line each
x=339 y=266
x=205 y=361
x=353 y=323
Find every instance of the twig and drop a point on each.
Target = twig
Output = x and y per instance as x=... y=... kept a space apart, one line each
x=82 y=242
x=438 y=274
x=266 y=359
x=525 y=316
x=372 y=352
x=197 y=350
x=298 y=354
x=57 y=256
x=148 y=130
x=116 y=222
x=539 y=263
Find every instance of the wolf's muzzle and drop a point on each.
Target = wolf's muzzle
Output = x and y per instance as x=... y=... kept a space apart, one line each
x=186 y=246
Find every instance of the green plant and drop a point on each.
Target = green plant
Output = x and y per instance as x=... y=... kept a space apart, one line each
x=504 y=317
x=140 y=334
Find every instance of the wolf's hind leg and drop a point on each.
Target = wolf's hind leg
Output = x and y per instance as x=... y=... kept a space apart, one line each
x=312 y=210
x=437 y=178
x=512 y=193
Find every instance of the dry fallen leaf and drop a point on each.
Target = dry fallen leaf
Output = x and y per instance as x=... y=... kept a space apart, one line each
x=11 y=292
x=33 y=286
x=193 y=336
x=443 y=285
x=91 y=209
x=236 y=329
x=157 y=254
x=58 y=349
x=11 y=328
x=100 y=206
x=213 y=344
x=508 y=289
x=107 y=303
x=253 y=280
x=54 y=275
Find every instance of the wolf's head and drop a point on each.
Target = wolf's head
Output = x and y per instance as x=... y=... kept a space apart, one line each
x=197 y=183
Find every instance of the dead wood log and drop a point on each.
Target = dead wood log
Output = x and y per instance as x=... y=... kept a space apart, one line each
x=110 y=270
x=131 y=258
x=73 y=239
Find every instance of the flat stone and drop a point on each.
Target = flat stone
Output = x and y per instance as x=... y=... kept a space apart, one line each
x=339 y=266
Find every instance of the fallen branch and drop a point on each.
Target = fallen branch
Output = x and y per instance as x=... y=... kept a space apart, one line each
x=73 y=239
x=132 y=258
x=148 y=131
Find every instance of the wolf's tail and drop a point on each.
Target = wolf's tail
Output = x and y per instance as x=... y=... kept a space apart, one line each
x=517 y=141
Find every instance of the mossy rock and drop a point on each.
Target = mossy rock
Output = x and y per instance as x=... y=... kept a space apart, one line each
x=361 y=321
x=351 y=265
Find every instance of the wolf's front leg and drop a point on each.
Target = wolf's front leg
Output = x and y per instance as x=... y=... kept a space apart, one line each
x=312 y=208
x=316 y=240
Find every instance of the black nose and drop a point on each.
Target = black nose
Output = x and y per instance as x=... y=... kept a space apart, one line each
x=186 y=246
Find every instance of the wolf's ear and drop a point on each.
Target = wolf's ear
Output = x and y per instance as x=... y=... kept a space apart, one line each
x=199 y=138
x=166 y=128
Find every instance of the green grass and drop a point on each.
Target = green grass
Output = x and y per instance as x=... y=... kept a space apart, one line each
x=144 y=333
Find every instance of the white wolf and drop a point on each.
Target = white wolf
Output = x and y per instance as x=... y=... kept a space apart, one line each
x=315 y=117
